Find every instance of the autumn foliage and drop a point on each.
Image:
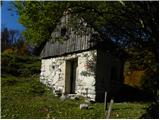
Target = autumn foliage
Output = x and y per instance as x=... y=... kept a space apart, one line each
x=133 y=78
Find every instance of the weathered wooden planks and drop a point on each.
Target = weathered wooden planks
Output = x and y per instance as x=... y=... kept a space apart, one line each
x=78 y=40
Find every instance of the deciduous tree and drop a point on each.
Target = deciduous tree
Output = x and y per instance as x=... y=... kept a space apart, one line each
x=4 y=39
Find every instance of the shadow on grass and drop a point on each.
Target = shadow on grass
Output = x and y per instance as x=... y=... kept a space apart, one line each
x=152 y=111
x=130 y=94
x=123 y=108
x=125 y=93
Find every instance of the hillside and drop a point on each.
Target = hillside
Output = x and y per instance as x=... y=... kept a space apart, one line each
x=23 y=96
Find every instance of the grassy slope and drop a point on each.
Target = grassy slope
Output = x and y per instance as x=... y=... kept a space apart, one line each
x=25 y=97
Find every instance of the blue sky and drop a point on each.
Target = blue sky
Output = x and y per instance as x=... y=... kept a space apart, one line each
x=8 y=20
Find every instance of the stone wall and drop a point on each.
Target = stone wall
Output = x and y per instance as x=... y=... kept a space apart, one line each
x=53 y=73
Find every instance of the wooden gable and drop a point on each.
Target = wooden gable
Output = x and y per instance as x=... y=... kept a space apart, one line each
x=67 y=39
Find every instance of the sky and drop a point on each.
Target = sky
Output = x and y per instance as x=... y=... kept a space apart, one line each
x=10 y=19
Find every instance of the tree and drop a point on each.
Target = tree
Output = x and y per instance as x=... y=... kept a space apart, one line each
x=4 y=39
x=13 y=41
x=21 y=47
x=39 y=18
x=14 y=35
x=128 y=23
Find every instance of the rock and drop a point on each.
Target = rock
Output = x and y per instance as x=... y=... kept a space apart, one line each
x=89 y=101
x=74 y=97
x=77 y=98
x=58 y=93
x=92 y=101
x=84 y=106
x=63 y=97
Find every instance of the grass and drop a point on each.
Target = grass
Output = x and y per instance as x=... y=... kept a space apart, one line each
x=128 y=110
x=26 y=97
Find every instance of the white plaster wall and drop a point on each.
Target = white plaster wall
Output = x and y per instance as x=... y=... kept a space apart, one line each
x=53 y=73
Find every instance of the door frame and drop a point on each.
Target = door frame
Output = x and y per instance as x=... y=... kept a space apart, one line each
x=69 y=80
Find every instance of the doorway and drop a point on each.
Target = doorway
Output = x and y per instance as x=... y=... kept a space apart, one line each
x=70 y=79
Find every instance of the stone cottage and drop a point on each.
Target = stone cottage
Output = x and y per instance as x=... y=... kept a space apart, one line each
x=77 y=60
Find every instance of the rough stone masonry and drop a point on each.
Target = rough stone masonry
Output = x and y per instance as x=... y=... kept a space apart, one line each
x=54 y=73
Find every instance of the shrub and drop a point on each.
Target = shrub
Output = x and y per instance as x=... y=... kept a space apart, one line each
x=20 y=65
x=9 y=81
x=9 y=51
x=37 y=89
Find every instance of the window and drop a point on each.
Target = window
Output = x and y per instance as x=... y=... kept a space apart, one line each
x=63 y=31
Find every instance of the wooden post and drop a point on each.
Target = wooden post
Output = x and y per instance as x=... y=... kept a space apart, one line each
x=105 y=104
x=105 y=101
x=110 y=108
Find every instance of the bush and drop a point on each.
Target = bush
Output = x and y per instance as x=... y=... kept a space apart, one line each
x=37 y=88
x=9 y=81
x=20 y=65
x=9 y=51
x=24 y=72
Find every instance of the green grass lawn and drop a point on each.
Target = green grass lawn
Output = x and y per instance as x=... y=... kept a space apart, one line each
x=26 y=97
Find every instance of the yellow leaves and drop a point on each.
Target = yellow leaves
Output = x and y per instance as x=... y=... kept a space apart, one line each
x=134 y=78
x=23 y=49
x=8 y=51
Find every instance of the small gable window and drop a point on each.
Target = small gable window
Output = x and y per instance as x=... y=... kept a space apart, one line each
x=63 y=31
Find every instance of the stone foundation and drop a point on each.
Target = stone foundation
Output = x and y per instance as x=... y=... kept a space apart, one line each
x=53 y=73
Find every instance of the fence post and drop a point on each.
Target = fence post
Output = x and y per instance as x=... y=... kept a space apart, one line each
x=110 y=108
x=105 y=103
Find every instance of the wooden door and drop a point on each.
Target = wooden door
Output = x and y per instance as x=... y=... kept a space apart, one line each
x=70 y=76
x=73 y=76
